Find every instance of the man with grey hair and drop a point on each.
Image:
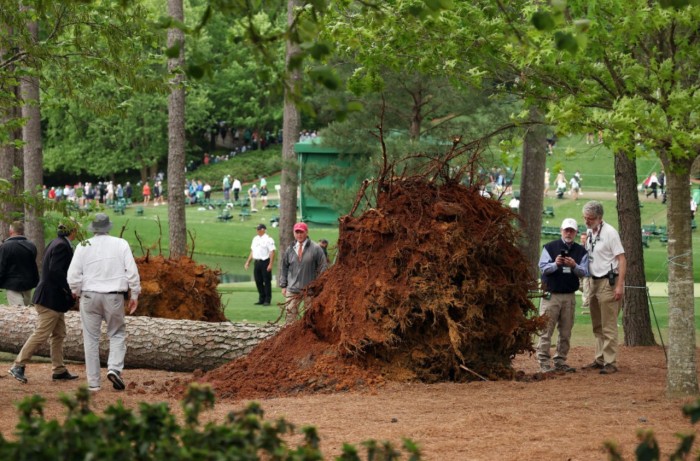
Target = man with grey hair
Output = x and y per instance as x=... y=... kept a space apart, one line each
x=18 y=269
x=102 y=273
x=607 y=266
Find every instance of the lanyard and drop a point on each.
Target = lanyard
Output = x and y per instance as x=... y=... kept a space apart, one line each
x=592 y=240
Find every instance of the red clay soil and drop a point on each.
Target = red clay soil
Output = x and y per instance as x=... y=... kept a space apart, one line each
x=428 y=286
x=178 y=289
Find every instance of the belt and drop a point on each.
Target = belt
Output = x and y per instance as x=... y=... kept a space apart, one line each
x=562 y=292
x=266 y=259
x=116 y=293
x=602 y=277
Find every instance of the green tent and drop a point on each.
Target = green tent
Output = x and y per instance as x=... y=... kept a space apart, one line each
x=317 y=188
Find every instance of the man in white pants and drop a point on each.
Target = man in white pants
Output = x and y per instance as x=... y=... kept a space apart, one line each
x=102 y=273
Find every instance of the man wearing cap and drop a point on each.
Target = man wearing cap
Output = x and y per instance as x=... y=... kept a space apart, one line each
x=52 y=299
x=302 y=263
x=562 y=262
x=262 y=250
x=18 y=270
x=102 y=273
x=608 y=267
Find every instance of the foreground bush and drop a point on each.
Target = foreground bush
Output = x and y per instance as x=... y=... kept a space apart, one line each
x=153 y=433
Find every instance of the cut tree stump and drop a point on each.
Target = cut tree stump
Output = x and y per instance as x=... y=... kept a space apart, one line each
x=163 y=344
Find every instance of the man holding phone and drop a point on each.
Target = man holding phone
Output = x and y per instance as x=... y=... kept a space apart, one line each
x=561 y=264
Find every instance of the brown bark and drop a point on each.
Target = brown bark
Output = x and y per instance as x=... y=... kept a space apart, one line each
x=176 y=138
x=291 y=125
x=681 y=379
x=8 y=152
x=532 y=190
x=175 y=345
x=33 y=156
x=636 y=321
x=414 y=129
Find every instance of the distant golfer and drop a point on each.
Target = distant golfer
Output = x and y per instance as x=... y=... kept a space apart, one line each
x=262 y=250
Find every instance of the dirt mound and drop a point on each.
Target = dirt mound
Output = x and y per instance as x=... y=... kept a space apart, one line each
x=178 y=289
x=428 y=285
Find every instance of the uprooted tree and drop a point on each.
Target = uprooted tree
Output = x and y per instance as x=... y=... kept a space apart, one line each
x=429 y=284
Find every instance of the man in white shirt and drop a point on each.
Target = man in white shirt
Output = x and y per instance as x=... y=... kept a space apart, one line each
x=236 y=187
x=262 y=250
x=102 y=273
x=607 y=267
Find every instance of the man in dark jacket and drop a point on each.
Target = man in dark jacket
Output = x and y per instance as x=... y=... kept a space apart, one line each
x=562 y=262
x=52 y=298
x=18 y=271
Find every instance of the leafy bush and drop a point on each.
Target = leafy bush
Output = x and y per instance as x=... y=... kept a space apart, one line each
x=153 y=433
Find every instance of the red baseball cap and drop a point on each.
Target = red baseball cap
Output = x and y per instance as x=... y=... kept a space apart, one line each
x=301 y=227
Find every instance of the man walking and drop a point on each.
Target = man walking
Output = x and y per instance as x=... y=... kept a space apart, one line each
x=102 y=273
x=302 y=263
x=262 y=250
x=607 y=267
x=52 y=298
x=236 y=187
x=562 y=262
x=18 y=271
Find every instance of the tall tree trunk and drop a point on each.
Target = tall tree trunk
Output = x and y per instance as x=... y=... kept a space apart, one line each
x=291 y=125
x=635 y=314
x=682 y=378
x=164 y=344
x=8 y=151
x=416 y=114
x=176 y=137
x=532 y=190
x=33 y=157
x=9 y=159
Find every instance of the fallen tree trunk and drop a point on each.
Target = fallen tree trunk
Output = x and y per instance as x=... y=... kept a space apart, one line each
x=164 y=344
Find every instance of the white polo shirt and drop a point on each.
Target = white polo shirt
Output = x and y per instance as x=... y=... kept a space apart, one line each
x=262 y=246
x=603 y=248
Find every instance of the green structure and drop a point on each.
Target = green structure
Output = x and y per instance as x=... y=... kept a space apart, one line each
x=323 y=176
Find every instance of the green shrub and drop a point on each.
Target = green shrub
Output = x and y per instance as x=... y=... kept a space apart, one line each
x=153 y=433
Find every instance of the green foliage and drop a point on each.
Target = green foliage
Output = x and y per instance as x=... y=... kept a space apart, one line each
x=153 y=433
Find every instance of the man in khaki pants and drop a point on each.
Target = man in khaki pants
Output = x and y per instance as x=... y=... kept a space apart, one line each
x=561 y=264
x=52 y=298
x=607 y=266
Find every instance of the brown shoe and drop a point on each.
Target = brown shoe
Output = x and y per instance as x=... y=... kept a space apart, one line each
x=593 y=366
x=608 y=369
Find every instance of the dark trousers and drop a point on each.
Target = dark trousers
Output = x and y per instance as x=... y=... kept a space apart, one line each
x=652 y=190
x=263 y=280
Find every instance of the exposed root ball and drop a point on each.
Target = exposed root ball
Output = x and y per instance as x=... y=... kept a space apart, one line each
x=178 y=289
x=427 y=283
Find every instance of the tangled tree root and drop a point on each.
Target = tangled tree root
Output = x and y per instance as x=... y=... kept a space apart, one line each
x=178 y=289
x=428 y=285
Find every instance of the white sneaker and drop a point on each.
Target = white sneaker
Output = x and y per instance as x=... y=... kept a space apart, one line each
x=94 y=388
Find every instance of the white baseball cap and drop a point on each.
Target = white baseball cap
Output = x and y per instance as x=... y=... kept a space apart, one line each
x=569 y=223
